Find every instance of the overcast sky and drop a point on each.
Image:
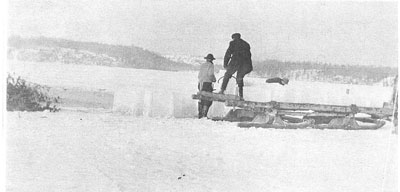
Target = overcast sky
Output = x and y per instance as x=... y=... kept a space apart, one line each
x=363 y=33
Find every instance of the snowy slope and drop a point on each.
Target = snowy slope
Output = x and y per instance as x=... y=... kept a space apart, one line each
x=76 y=151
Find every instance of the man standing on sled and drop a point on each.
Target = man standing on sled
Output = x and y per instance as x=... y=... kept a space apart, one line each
x=237 y=59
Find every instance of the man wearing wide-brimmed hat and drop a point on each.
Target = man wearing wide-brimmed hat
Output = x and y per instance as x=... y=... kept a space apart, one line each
x=206 y=78
x=237 y=59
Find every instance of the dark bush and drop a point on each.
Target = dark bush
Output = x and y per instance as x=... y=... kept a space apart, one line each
x=23 y=96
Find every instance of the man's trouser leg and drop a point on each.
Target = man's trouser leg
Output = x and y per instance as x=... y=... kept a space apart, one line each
x=205 y=104
x=200 y=103
x=200 y=109
x=205 y=110
x=240 y=83
x=228 y=74
x=241 y=92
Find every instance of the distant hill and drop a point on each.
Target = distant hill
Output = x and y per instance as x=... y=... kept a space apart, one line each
x=89 y=53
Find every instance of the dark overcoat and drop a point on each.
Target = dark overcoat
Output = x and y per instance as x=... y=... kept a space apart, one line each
x=238 y=56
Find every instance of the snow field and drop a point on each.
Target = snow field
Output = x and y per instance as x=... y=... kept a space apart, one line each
x=140 y=147
x=73 y=151
x=152 y=93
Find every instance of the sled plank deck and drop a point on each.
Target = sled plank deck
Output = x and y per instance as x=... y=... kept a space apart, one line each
x=233 y=101
x=382 y=112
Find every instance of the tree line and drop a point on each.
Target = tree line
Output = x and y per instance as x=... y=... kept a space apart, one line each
x=357 y=74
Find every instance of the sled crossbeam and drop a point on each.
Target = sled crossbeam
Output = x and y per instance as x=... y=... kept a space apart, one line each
x=203 y=95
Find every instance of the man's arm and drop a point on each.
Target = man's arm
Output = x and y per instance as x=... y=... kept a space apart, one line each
x=211 y=74
x=228 y=55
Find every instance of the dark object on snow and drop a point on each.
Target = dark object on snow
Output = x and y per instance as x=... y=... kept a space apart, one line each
x=282 y=81
x=237 y=59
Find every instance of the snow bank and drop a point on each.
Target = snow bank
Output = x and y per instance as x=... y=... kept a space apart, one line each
x=161 y=103
x=154 y=103
x=82 y=98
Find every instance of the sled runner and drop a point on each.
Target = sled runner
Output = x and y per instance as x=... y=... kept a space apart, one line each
x=285 y=115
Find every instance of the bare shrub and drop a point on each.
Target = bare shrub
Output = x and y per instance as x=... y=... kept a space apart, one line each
x=24 y=96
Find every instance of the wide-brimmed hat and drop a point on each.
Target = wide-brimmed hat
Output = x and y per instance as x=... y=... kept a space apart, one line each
x=210 y=56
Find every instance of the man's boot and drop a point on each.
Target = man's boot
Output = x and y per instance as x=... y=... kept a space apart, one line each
x=200 y=109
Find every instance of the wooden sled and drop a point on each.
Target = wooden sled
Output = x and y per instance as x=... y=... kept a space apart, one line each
x=284 y=115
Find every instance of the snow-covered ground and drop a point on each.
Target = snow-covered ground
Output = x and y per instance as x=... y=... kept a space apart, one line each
x=104 y=150
x=77 y=151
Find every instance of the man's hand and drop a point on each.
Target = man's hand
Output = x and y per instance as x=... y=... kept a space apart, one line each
x=226 y=64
